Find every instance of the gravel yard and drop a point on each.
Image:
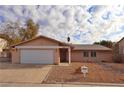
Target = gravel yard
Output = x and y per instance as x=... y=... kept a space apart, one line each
x=98 y=73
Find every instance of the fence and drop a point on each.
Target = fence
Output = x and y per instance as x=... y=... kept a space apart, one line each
x=5 y=56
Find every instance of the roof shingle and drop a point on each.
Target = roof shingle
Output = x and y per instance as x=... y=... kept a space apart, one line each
x=90 y=47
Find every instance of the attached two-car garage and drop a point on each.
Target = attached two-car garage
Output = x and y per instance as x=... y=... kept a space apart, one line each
x=39 y=50
x=36 y=56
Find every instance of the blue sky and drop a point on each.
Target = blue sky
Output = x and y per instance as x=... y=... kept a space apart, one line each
x=84 y=24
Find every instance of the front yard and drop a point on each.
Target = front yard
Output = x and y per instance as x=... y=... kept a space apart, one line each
x=52 y=74
x=98 y=73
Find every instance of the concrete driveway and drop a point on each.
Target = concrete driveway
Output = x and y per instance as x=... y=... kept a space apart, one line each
x=18 y=73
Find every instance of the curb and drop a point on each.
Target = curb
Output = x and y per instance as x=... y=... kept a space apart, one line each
x=95 y=84
x=62 y=85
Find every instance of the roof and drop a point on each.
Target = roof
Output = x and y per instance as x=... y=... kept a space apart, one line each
x=63 y=43
x=90 y=47
x=120 y=40
x=117 y=43
x=75 y=46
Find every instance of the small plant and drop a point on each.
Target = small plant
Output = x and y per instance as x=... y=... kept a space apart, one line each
x=78 y=70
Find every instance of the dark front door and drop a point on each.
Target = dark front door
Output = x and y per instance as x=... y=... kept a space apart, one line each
x=63 y=54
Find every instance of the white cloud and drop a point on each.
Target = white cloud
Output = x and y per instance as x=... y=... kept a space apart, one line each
x=62 y=20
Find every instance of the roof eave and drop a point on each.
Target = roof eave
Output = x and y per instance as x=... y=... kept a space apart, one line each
x=93 y=49
x=37 y=38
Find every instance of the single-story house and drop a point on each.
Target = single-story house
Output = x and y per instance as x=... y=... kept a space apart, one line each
x=118 y=51
x=44 y=50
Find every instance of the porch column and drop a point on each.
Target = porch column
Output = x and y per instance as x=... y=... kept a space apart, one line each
x=69 y=55
x=57 y=57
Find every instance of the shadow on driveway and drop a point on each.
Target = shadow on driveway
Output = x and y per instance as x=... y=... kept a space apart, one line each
x=8 y=65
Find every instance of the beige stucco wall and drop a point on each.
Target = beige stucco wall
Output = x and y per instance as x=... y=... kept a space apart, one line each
x=77 y=56
x=36 y=42
x=57 y=56
x=104 y=56
x=15 y=56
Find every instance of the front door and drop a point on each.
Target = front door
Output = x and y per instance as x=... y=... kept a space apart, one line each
x=63 y=55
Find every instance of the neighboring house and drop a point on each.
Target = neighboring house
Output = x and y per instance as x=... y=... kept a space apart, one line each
x=118 y=51
x=2 y=44
x=5 y=54
x=44 y=50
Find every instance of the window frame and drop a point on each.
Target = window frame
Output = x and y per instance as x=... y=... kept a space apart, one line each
x=93 y=53
x=85 y=53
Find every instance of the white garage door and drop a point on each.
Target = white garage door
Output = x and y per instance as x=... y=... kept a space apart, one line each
x=37 y=56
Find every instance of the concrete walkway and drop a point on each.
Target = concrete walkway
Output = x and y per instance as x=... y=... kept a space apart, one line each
x=62 y=85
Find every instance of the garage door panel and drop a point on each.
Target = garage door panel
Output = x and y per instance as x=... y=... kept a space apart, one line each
x=37 y=56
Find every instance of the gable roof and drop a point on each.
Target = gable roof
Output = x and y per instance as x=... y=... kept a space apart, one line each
x=75 y=46
x=90 y=47
x=117 y=43
x=40 y=36
x=120 y=40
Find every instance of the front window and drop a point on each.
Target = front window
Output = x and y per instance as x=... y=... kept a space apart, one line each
x=93 y=53
x=86 y=53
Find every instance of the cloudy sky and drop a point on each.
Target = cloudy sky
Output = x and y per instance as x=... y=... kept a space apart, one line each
x=84 y=24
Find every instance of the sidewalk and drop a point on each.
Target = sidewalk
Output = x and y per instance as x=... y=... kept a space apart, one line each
x=62 y=85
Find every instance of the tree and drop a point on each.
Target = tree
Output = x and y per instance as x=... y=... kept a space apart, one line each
x=105 y=43
x=31 y=31
x=9 y=32
x=13 y=33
